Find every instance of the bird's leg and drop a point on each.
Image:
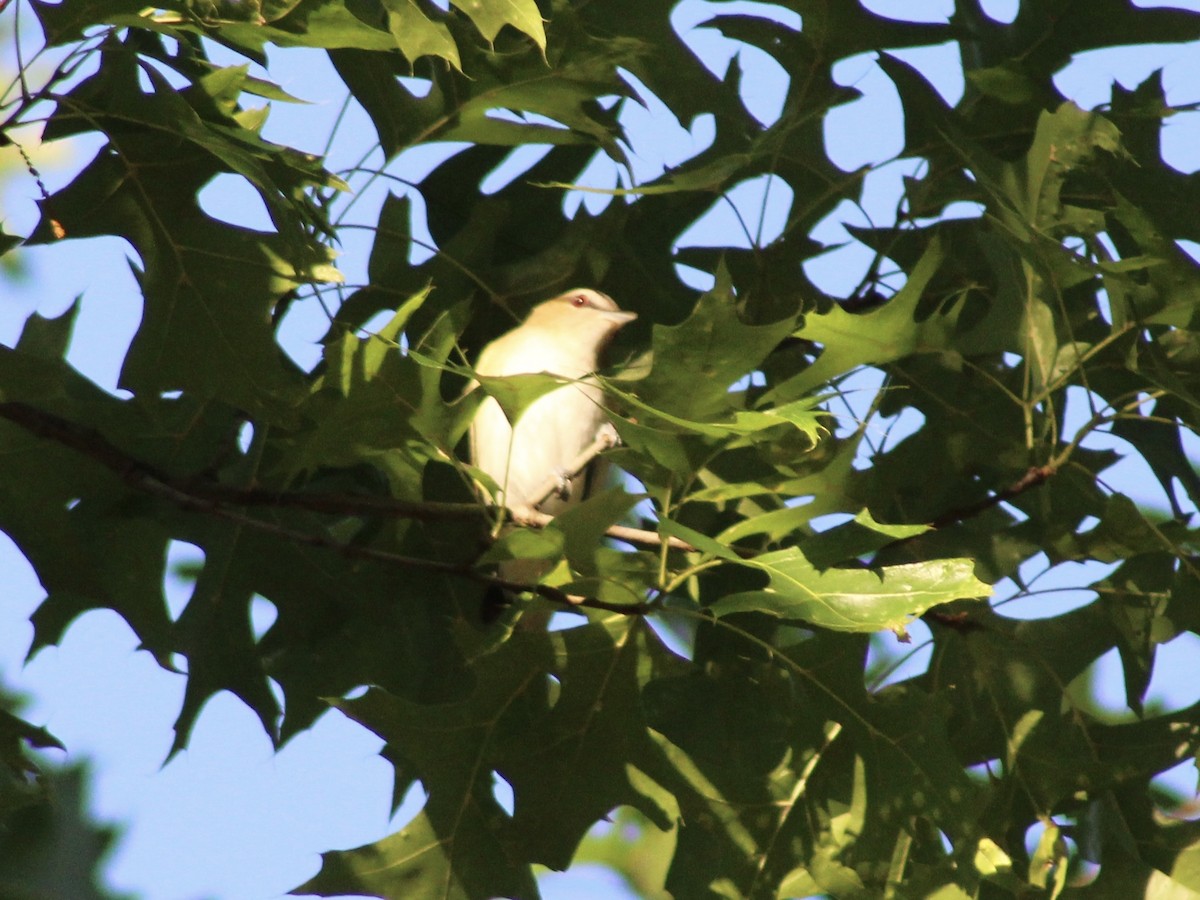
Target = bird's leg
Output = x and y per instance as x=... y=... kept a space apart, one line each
x=558 y=482
x=606 y=438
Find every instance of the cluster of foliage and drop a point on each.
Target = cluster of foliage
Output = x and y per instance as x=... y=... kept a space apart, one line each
x=717 y=688
x=48 y=845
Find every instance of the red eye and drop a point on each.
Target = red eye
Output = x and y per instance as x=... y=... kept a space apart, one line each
x=579 y=300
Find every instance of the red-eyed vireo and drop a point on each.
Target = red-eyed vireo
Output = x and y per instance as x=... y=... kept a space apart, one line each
x=564 y=337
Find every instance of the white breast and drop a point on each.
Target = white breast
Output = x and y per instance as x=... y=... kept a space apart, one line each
x=552 y=431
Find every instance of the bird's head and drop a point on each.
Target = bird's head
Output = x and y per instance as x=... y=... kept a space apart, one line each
x=582 y=315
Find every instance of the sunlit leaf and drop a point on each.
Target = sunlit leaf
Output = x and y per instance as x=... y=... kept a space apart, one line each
x=852 y=599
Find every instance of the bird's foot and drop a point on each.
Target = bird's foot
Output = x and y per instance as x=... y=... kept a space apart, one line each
x=607 y=433
x=523 y=514
x=563 y=489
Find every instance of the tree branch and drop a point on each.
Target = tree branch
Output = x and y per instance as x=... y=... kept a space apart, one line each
x=91 y=443
x=215 y=500
x=95 y=446
x=1033 y=477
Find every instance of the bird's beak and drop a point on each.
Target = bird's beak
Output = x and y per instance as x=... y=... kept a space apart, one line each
x=618 y=317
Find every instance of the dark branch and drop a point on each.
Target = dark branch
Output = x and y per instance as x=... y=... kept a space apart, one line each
x=216 y=500
x=1035 y=476
x=142 y=475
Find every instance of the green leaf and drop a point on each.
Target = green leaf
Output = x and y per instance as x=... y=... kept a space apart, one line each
x=377 y=403
x=417 y=35
x=419 y=861
x=490 y=17
x=888 y=333
x=563 y=762
x=705 y=178
x=309 y=23
x=515 y=393
x=215 y=632
x=855 y=538
x=65 y=511
x=697 y=539
x=1005 y=82
x=525 y=543
x=697 y=360
x=1047 y=307
x=8 y=242
x=49 y=339
x=554 y=754
x=52 y=848
x=17 y=737
x=209 y=287
x=860 y=600
x=502 y=99
x=799 y=414
x=62 y=24
x=1048 y=867
x=584 y=525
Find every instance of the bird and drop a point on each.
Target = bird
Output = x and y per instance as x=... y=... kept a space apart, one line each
x=563 y=336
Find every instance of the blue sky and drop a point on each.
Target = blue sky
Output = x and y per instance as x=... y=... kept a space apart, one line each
x=228 y=818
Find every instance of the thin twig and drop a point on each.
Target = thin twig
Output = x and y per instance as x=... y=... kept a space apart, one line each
x=643 y=538
x=638 y=536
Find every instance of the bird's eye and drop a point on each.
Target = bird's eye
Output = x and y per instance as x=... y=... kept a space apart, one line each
x=579 y=300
